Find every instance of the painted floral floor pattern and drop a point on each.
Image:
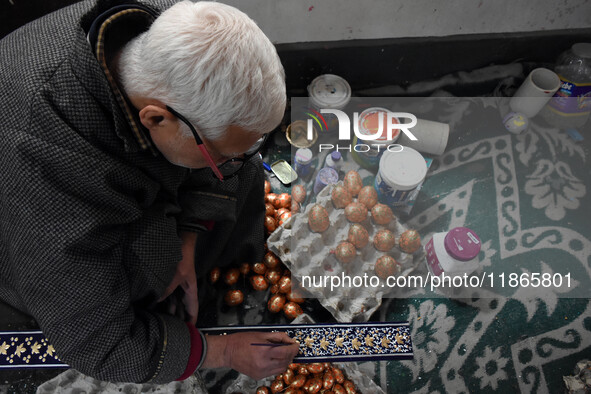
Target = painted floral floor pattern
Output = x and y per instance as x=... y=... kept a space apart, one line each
x=527 y=198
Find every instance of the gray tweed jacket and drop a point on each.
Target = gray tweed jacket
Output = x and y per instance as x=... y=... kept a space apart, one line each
x=89 y=221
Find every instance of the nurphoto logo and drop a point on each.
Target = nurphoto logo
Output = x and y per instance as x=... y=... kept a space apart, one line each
x=392 y=127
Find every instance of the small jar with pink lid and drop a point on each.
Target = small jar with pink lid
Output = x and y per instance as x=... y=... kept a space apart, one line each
x=453 y=253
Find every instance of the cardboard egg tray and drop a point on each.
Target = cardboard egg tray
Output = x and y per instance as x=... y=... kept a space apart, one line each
x=307 y=253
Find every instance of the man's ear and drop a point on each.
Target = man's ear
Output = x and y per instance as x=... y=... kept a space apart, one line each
x=156 y=118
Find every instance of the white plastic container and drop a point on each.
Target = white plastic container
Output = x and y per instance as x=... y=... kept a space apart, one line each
x=329 y=91
x=400 y=173
x=453 y=253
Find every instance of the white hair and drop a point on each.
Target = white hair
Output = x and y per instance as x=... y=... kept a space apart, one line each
x=211 y=63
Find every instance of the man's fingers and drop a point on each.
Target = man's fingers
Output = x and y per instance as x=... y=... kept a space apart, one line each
x=191 y=306
x=171 y=307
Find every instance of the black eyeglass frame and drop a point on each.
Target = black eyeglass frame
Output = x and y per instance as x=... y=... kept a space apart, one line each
x=237 y=162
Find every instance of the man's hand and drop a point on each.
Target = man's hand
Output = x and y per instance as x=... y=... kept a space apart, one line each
x=185 y=278
x=235 y=351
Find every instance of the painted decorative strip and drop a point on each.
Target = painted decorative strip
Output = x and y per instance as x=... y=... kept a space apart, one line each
x=341 y=342
x=27 y=349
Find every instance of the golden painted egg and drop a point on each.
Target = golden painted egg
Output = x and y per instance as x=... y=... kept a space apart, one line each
x=338 y=375
x=276 y=303
x=231 y=276
x=353 y=183
x=410 y=241
x=298 y=193
x=259 y=268
x=259 y=282
x=284 y=284
x=284 y=217
x=267 y=187
x=298 y=381
x=303 y=370
x=358 y=235
x=277 y=386
x=234 y=297
x=280 y=212
x=269 y=209
x=288 y=376
x=214 y=275
x=244 y=268
x=283 y=201
x=356 y=212
x=328 y=380
x=384 y=240
x=273 y=276
x=349 y=387
x=340 y=196
x=338 y=389
x=292 y=310
x=387 y=266
x=293 y=366
x=295 y=296
x=345 y=252
x=270 y=198
x=274 y=288
x=262 y=389
x=382 y=214
x=315 y=367
x=271 y=260
x=270 y=224
x=313 y=385
x=318 y=219
x=368 y=196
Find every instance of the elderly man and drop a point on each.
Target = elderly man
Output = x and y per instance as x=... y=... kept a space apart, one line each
x=129 y=140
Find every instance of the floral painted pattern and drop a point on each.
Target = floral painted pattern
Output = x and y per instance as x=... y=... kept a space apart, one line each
x=491 y=368
x=554 y=188
x=430 y=332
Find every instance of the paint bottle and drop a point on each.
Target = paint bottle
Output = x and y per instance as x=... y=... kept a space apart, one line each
x=326 y=176
x=334 y=160
x=303 y=162
x=399 y=175
x=453 y=253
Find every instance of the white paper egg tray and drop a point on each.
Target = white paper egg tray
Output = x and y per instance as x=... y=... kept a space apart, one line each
x=307 y=253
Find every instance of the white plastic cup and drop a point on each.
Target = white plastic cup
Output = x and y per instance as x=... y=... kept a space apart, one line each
x=537 y=89
x=431 y=137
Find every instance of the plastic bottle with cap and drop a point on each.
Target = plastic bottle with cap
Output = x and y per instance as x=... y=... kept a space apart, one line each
x=334 y=160
x=453 y=253
x=303 y=162
x=571 y=104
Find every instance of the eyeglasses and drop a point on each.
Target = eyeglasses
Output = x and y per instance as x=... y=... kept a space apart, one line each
x=229 y=168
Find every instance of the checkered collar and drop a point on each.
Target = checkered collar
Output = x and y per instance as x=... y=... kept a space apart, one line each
x=108 y=33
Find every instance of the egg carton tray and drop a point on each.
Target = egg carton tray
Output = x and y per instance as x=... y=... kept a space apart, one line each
x=307 y=253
